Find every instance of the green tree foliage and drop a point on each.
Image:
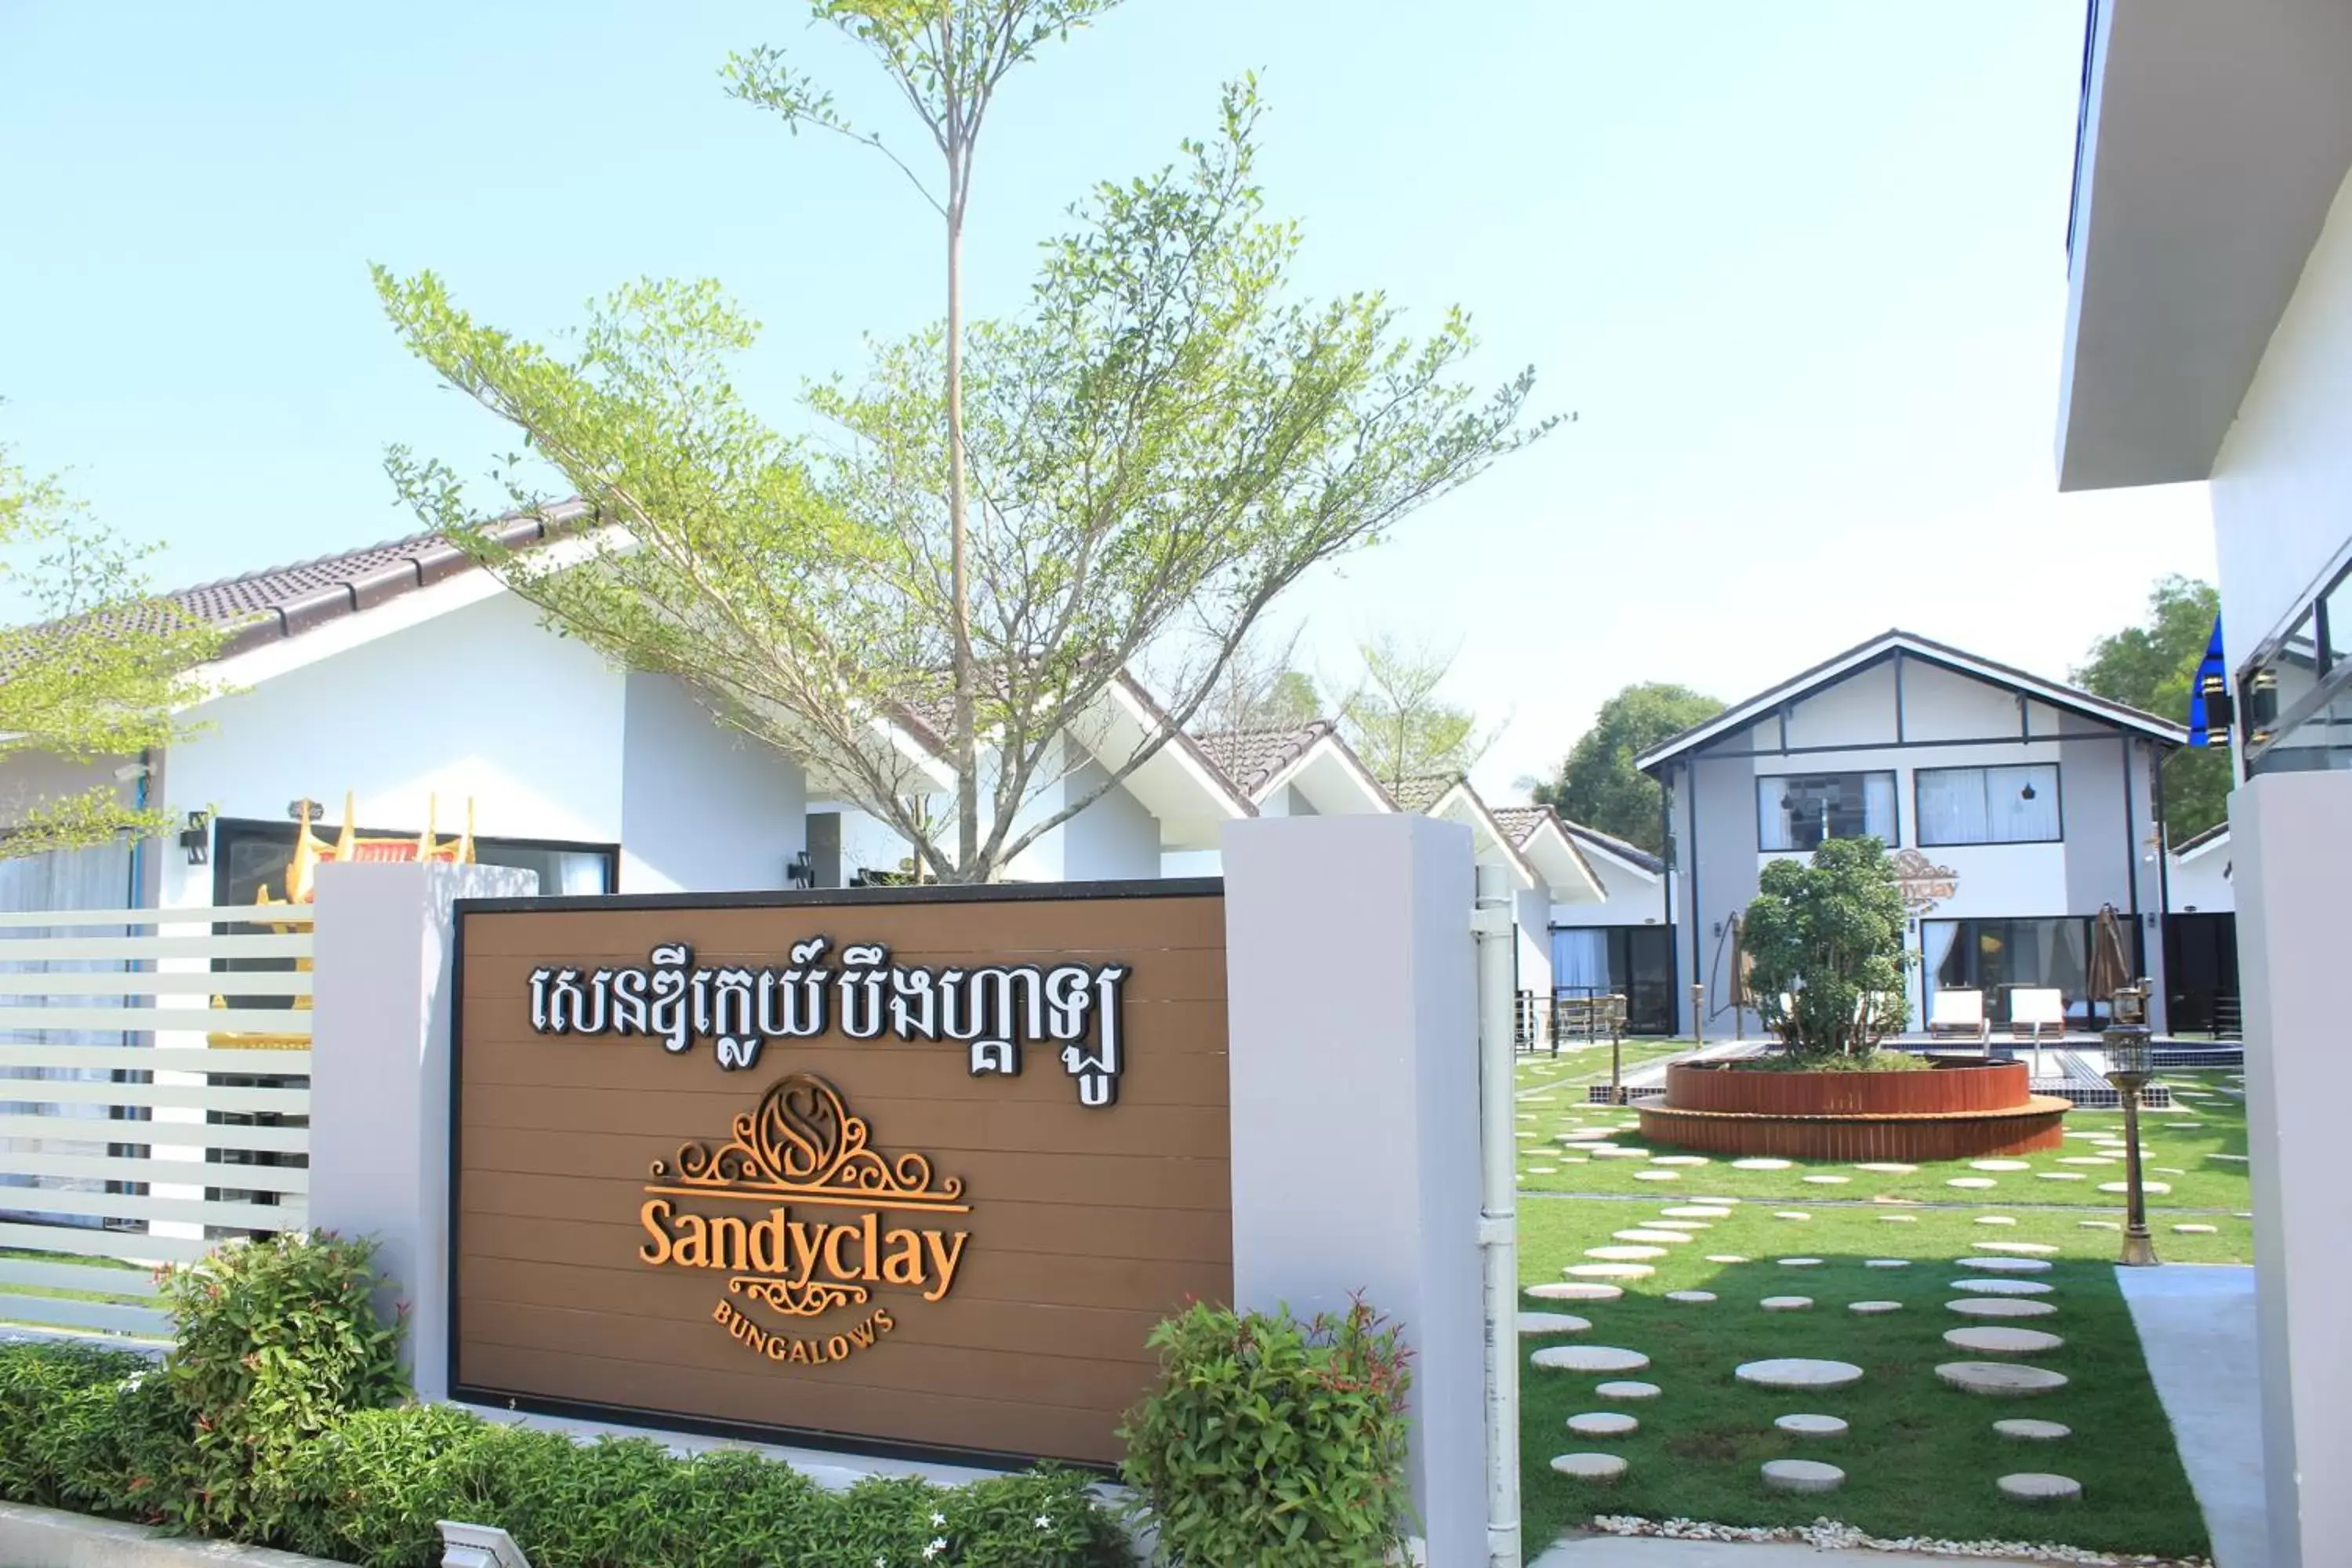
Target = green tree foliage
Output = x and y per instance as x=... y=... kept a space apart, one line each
x=2153 y=667
x=102 y=675
x=947 y=58
x=1828 y=934
x=1599 y=786
x=1261 y=688
x=1400 y=725
x=1161 y=446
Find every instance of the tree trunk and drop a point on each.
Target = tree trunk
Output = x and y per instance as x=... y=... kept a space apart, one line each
x=967 y=769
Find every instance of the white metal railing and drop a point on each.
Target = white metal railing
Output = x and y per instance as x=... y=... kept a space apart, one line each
x=142 y=1119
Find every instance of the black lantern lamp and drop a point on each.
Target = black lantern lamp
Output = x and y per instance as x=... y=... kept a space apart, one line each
x=2131 y=1064
x=196 y=837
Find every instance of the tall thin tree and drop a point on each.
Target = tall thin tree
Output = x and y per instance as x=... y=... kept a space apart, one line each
x=948 y=57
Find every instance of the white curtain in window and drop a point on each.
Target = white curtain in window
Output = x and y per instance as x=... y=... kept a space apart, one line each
x=1937 y=936
x=1773 y=818
x=1579 y=961
x=1878 y=806
x=581 y=873
x=2021 y=804
x=1952 y=806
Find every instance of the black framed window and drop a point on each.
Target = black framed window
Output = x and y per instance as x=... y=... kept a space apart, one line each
x=1999 y=957
x=1797 y=811
x=248 y=856
x=2014 y=803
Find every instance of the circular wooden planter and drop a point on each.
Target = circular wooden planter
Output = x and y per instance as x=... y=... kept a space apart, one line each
x=1953 y=1111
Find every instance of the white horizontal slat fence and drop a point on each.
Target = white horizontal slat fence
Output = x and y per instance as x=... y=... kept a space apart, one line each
x=155 y=1100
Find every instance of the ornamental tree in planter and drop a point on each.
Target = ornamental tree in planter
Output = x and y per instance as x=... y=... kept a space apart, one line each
x=1826 y=939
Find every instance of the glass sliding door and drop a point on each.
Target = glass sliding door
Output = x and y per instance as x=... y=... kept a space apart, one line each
x=1997 y=957
x=1634 y=962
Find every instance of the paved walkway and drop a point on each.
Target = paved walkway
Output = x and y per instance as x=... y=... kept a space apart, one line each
x=2196 y=1327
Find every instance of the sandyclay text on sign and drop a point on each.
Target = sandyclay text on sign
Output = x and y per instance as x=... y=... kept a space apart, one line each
x=911 y=1170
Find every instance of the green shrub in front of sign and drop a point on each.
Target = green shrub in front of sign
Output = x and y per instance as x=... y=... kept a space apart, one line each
x=103 y=1432
x=1272 y=1442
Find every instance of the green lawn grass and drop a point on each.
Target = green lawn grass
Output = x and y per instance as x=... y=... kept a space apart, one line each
x=1921 y=1458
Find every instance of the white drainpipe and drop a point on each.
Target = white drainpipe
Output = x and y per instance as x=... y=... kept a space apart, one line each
x=1495 y=931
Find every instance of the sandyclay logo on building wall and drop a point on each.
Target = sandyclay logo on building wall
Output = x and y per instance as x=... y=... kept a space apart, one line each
x=802 y=1146
x=910 y=1169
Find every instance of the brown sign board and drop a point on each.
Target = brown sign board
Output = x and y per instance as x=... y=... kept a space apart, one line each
x=910 y=1170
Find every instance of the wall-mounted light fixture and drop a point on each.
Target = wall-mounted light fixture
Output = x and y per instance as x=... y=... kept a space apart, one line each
x=196 y=837
x=799 y=872
x=304 y=811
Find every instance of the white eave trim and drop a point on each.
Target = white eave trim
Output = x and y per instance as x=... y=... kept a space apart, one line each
x=1329 y=748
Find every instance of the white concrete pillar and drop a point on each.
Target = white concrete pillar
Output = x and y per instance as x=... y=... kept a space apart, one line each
x=2292 y=840
x=1350 y=980
x=380 y=1078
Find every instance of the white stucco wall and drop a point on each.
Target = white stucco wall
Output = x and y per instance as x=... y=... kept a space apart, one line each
x=2203 y=881
x=481 y=704
x=2281 y=486
x=703 y=808
x=1630 y=897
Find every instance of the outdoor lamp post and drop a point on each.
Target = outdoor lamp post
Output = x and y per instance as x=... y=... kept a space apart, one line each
x=2131 y=1063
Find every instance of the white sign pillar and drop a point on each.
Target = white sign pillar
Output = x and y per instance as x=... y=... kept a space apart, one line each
x=2291 y=836
x=1352 y=999
x=380 y=1078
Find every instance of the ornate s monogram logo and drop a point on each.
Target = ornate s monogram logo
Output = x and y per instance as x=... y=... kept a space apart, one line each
x=1923 y=883
x=801 y=1144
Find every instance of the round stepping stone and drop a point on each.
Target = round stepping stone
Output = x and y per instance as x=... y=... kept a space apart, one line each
x=1657 y=1175
x=1607 y=1271
x=1996 y=1340
x=1725 y=1258
x=1787 y=1303
x=2083 y=1160
x=2004 y=1265
x=1874 y=1309
x=1993 y=1377
x=1671 y=1237
x=2034 y=1487
x=2023 y=1248
x=1575 y=1291
x=1612 y=1152
x=2184 y=1126
x=1717 y=1202
x=2168 y=1171
x=1888 y=1168
x=1624 y=1391
x=1812 y=1425
x=2060 y=1177
x=1984 y=1287
x=1900 y=1219
x=1602 y=1468
x=2000 y=1307
x=1589 y=1358
x=2097 y=1224
x=1698 y=1211
x=2027 y=1431
x=2160 y=1188
x=1678 y=1159
x=1791 y=1213
x=1973 y=1183
x=1803 y=1476
x=1829 y=1181
x=1994 y=1219
x=1680 y=1224
x=2194 y=1229
x=1760 y=1165
x=1603 y=1424
x=1999 y=1165
x=1525 y=1132
x=1692 y=1298
x=1886 y=1263
x=1552 y=1323
x=1801 y=1263
x=1624 y=1253
x=2232 y=1159
x=1798 y=1372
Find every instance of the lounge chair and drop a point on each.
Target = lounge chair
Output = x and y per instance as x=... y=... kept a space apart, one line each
x=1958 y=1015
x=2037 y=1012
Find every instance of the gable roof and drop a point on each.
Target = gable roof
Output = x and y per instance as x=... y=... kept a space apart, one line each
x=1886 y=644
x=1609 y=844
x=282 y=602
x=1251 y=758
x=1540 y=835
x=2219 y=832
x=1423 y=794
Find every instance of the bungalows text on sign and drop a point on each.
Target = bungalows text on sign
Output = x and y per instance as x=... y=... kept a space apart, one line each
x=913 y=1168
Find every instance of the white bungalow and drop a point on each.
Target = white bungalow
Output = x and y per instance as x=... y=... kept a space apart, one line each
x=2017 y=806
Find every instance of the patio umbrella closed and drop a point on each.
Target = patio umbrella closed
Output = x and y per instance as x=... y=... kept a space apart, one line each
x=2110 y=964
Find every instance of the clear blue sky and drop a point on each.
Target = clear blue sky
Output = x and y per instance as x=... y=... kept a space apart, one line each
x=1797 y=268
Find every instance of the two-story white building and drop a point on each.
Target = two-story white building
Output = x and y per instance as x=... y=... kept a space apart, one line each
x=2016 y=808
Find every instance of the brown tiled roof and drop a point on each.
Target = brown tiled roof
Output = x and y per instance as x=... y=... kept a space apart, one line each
x=263 y=607
x=1615 y=845
x=1420 y=793
x=1518 y=823
x=1252 y=757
